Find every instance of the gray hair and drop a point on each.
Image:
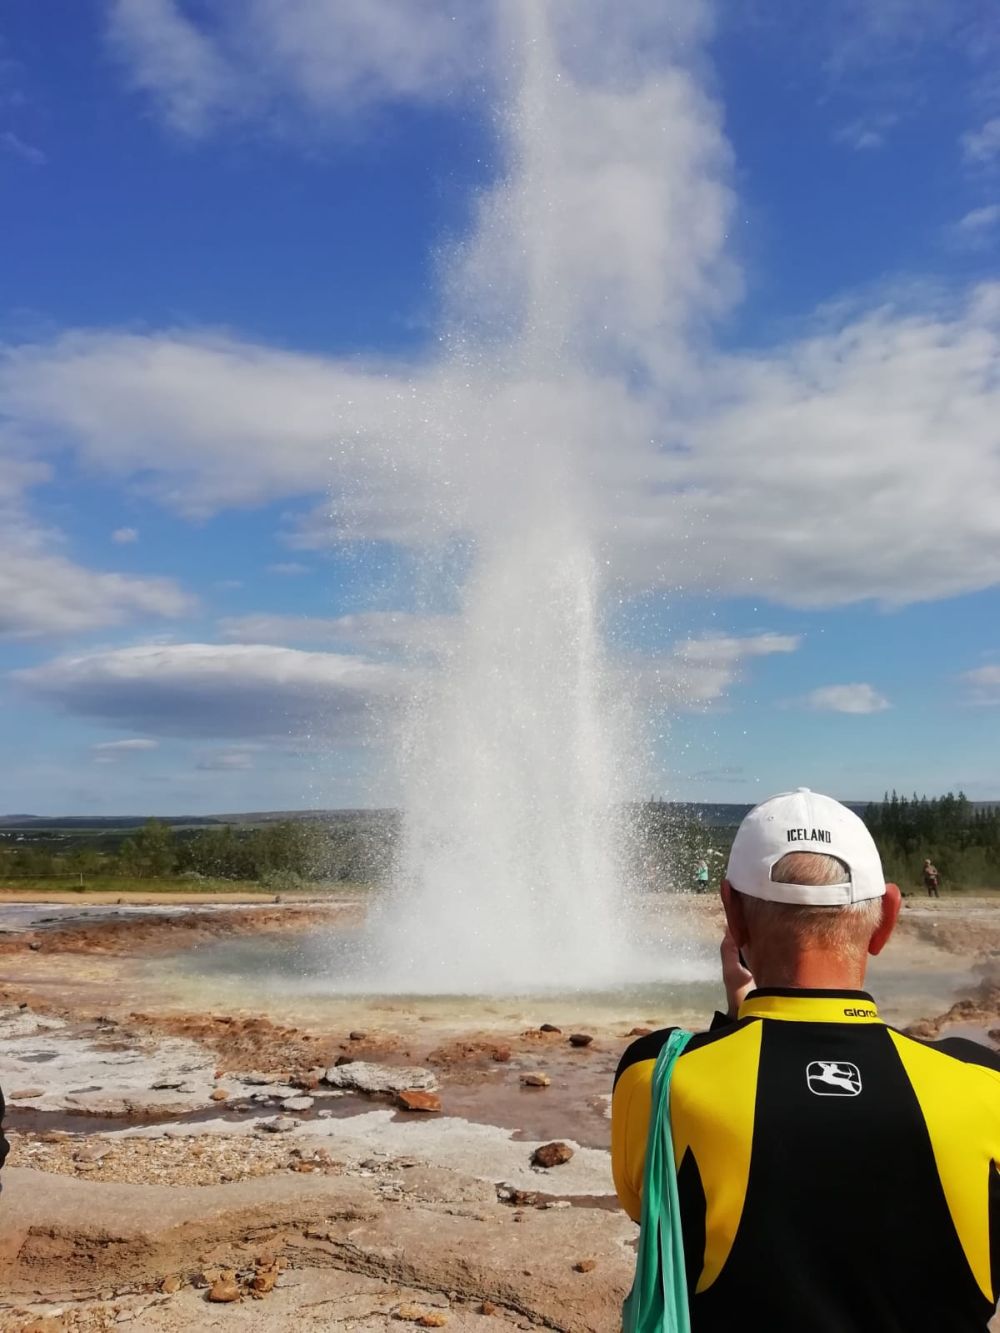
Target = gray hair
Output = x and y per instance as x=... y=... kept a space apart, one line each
x=842 y=930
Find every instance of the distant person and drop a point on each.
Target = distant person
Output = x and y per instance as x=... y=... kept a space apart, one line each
x=4 y=1145
x=932 y=880
x=701 y=877
x=811 y=1170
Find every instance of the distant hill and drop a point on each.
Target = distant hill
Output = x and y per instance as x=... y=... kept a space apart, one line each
x=715 y=814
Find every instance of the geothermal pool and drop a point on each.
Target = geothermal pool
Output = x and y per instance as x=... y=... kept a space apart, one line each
x=292 y=974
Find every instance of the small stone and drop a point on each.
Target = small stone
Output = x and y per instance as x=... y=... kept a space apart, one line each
x=409 y=1312
x=639 y=1032
x=488 y=1307
x=256 y=1079
x=281 y=1124
x=433 y=1319
x=356 y=1036
x=224 y=1289
x=297 y=1103
x=25 y=1094
x=584 y=1265
x=580 y=1039
x=53 y=1136
x=535 y=1080
x=500 y=1054
x=415 y=1100
x=549 y=1027
x=264 y=1281
x=324 y=1115
x=552 y=1154
x=170 y=1284
x=91 y=1153
x=219 y=1095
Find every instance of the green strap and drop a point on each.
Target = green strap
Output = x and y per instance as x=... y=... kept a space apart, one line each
x=658 y=1301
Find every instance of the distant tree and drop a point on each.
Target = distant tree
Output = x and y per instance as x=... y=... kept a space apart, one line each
x=150 y=853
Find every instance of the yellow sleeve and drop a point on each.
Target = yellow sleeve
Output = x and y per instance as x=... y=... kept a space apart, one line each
x=631 y=1105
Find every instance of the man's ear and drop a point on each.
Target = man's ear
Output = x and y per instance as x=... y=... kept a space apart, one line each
x=732 y=905
x=891 y=904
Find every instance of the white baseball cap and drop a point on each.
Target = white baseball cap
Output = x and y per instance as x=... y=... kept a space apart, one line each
x=804 y=821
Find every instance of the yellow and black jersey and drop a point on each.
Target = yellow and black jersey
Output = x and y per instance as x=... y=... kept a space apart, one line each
x=835 y=1176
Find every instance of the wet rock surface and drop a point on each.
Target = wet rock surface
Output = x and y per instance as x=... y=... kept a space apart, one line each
x=361 y=1076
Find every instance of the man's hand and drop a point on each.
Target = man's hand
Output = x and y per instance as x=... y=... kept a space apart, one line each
x=735 y=977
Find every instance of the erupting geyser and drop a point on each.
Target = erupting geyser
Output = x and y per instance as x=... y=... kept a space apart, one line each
x=510 y=874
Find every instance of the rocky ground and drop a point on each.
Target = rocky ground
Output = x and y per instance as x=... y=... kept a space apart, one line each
x=184 y=1171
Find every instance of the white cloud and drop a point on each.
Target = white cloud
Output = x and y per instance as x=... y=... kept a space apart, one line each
x=14 y=145
x=168 y=58
x=699 y=672
x=125 y=536
x=867 y=132
x=978 y=227
x=982 y=147
x=268 y=59
x=211 y=690
x=112 y=752
x=46 y=594
x=983 y=684
x=371 y=631
x=860 y=698
x=785 y=477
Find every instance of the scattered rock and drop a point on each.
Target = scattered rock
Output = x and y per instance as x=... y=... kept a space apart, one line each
x=433 y=1319
x=549 y=1027
x=535 y=1080
x=224 y=1289
x=91 y=1153
x=639 y=1032
x=488 y=1307
x=519 y=1198
x=281 y=1124
x=580 y=1039
x=409 y=1312
x=170 y=1284
x=264 y=1281
x=412 y=1099
x=256 y=1079
x=297 y=1103
x=219 y=1095
x=584 y=1265
x=356 y=1036
x=552 y=1154
x=24 y=1094
x=361 y=1076
x=500 y=1054
x=47 y=1324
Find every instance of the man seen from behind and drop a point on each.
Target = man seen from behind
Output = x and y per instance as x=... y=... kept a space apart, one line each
x=832 y=1174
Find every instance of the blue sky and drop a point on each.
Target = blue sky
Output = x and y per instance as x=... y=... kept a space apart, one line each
x=236 y=237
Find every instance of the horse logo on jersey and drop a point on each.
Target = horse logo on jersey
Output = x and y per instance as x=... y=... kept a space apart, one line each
x=833 y=1078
